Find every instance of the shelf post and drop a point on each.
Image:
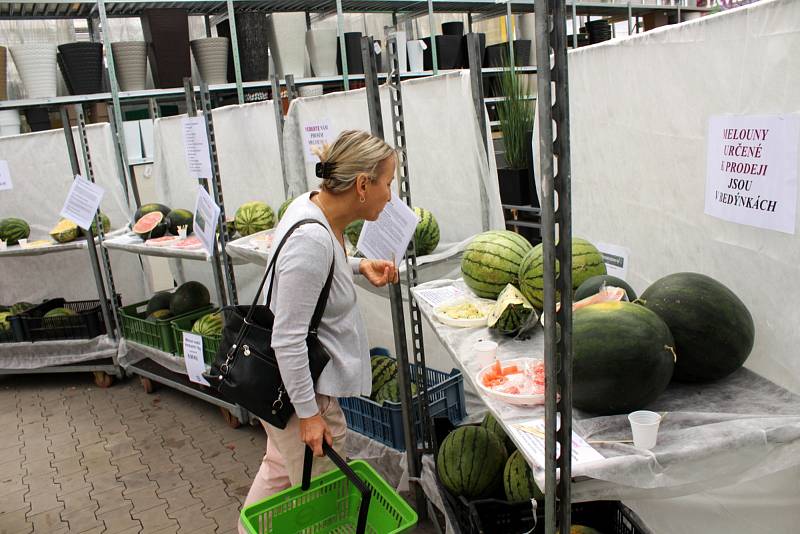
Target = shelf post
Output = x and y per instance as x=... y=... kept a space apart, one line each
x=476 y=84
x=237 y=68
x=510 y=34
x=434 y=56
x=342 y=45
x=554 y=150
x=277 y=106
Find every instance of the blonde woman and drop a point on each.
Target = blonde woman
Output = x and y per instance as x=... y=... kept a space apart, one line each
x=357 y=173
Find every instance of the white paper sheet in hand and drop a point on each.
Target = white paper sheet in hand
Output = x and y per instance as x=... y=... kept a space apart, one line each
x=388 y=237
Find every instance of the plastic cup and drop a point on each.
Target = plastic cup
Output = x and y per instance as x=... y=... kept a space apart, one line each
x=644 y=425
x=23 y=243
x=485 y=352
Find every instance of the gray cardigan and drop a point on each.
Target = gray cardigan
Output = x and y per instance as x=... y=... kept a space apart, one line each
x=300 y=274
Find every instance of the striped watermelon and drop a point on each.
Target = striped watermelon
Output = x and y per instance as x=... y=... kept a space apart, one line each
x=491 y=424
x=353 y=231
x=60 y=312
x=518 y=480
x=492 y=260
x=586 y=263
x=284 y=207
x=252 y=217
x=209 y=325
x=384 y=369
x=13 y=229
x=390 y=391
x=470 y=462
x=426 y=236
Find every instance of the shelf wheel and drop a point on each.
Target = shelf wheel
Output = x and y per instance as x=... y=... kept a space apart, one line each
x=102 y=379
x=231 y=419
x=147 y=384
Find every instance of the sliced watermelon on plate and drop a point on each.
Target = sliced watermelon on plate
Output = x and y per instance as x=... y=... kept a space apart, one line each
x=165 y=241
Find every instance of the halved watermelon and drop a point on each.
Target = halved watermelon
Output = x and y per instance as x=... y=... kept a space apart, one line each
x=151 y=225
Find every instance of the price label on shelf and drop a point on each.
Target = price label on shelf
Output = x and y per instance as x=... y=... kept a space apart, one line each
x=5 y=176
x=195 y=146
x=193 y=356
x=83 y=201
x=206 y=216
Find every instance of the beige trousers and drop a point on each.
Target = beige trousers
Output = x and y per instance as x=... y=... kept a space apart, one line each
x=282 y=466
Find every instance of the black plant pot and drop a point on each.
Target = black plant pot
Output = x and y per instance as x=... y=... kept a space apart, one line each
x=166 y=31
x=82 y=67
x=497 y=54
x=352 y=45
x=516 y=187
x=38 y=119
x=448 y=52
x=253 y=41
x=481 y=50
x=453 y=28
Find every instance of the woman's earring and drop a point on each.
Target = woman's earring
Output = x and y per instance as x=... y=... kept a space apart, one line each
x=362 y=199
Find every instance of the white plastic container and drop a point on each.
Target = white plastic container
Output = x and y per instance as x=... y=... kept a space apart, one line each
x=10 y=122
x=36 y=64
x=321 y=45
x=415 y=55
x=644 y=426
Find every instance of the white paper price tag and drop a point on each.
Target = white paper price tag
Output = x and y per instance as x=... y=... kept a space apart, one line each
x=83 y=201
x=206 y=216
x=193 y=356
x=5 y=176
x=316 y=135
x=195 y=146
x=388 y=237
x=615 y=258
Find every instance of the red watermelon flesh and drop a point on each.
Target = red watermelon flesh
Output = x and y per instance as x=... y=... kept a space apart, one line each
x=150 y=225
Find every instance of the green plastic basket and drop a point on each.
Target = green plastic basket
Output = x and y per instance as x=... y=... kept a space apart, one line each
x=184 y=324
x=156 y=334
x=331 y=505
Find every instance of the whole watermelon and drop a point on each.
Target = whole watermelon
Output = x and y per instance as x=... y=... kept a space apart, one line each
x=282 y=209
x=471 y=461
x=12 y=229
x=20 y=307
x=159 y=301
x=426 y=236
x=189 y=297
x=586 y=263
x=592 y=286
x=353 y=231
x=5 y=324
x=490 y=423
x=179 y=217
x=253 y=217
x=713 y=329
x=623 y=357
x=390 y=391
x=384 y=369
x=106 y=224
x=518 y=481
x=144 y=209
x=158 y=315
x=492 y=260
x=60 y=312
x=209 y=325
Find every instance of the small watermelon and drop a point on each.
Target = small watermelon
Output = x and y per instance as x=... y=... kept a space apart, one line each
x=391 y=392
x=426 y=236
x=491 y=424
x=13 y=229
x=159 y=315
x=106 y=224
x=492 y=260
x=518 y=481
x=353 y=231
x=150 y=226
x=209 y=325
x=20 y=307
x=470 y=462
x=284 y=207
x=384 y=369
x=253 y=217
x=60 y=312
x=180 y=217
x=159 y=301
x=5 y=324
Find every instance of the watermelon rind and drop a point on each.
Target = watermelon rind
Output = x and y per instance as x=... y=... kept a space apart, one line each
x=512 y=313
x=426 y=235
x=713 y=329
x=12 y=229
x=189 y=297
x=180 y=217
x=623 y=357
x=492 y=260
x=65 y=231
x=518 y=481
x=150 y=226
x=282 y=209
x=470 y=462
x=150 y=208
x=252 y=217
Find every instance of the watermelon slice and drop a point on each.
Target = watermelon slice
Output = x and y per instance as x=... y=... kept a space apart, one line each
x=150 y=226
x=190 y=243
x=165 y=241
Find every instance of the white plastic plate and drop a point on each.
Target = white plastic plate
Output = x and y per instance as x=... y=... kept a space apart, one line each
x=484 y=305
x=509 y=398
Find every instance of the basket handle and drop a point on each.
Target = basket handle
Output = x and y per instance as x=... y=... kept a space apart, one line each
x=366 y=494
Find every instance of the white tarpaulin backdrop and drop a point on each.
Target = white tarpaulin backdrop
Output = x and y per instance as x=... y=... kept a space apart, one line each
x=42 y=176
x=639 y=114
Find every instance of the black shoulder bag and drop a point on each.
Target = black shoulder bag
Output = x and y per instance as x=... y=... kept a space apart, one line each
x=246 y=371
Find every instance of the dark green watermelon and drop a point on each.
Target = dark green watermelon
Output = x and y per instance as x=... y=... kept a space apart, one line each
x=518 y=481
x=180 y=217
x=144 y=209
x=189 y=297
x=159 y=301
x=713 y=330
x=470 y=462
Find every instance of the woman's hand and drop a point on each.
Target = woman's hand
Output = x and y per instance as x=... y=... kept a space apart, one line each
x=312 y=431
x=378 y=272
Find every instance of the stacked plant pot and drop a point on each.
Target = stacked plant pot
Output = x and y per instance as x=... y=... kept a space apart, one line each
x=599 y=31
x=352 y=45
x=130 y=62
x=3 y=78
x=166 y=31
x=82 y=67
x=252 y=33
x=36 y=64
x=322 y=46
x=448 y=52
x=288 y=45
x=211 y=56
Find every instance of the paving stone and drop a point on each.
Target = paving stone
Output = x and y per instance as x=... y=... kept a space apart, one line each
x=120 y=520
x=81 y=520
x=72 y=482
x=169 y=480
x=179 y=498
x=129 y=464
x=145 y=498
x=42 y=499
x=48 y=521
x=103 y=481
x=109 y=500
x=192 y=519
x=200 y=478
x=136 y=481
x=226 y=517
x=122 y=449
x=12 y=502
x=78 y=500
x=11 y=484
x=155 y=519
x=15 y=523
x=68 y=466
x=214 y=497
x=64 y=451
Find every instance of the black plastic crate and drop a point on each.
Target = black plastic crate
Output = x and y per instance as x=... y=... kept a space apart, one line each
x=85 y=324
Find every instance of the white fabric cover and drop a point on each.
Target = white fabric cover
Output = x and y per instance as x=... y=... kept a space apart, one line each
x=639 y=114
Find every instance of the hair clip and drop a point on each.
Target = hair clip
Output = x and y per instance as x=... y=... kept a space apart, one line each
x=324 y=170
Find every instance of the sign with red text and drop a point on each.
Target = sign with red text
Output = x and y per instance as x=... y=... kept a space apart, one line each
x=751 y=172
x=316 y=135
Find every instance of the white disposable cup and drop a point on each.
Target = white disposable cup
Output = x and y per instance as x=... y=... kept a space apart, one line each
x=485 y=352
x=23 y=243
x=644 y=425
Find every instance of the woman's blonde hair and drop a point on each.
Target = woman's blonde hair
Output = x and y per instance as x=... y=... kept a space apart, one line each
x=353 y=153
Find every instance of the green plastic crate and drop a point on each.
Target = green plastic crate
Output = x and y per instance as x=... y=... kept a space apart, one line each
x=184 y=324
x=330 y=505
x=156 y=334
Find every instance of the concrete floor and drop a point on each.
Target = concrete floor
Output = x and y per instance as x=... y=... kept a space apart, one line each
x=80 y=459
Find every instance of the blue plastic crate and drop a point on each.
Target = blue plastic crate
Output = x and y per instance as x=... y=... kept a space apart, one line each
x=384 y=422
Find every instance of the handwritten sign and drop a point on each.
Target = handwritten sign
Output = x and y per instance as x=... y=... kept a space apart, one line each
x=195 y=146
x=751 y=172
x=316 y=134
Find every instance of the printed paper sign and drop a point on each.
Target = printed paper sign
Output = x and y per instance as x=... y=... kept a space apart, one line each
x=438 y=295
x=530 y=438
x=388 y=237
x=195 y=146
x=83 y=201
x=206 y=216
x=615 y=258
x=5 y=176
x=751 y=175
x=316 y=134
x=193 y=356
